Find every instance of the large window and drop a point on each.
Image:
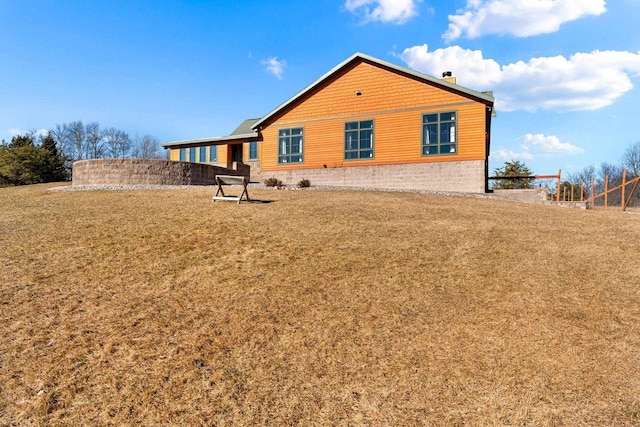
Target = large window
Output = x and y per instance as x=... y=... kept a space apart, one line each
x=213 y=154
x=439 y=134
x=192 y=154
x=290 y=145
x=358 y=140
x=253 y=150
x=203 y=154
x=183 y=154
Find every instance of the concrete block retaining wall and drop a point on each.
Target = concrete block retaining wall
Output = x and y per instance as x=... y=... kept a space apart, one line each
x=463 y=176
x=149 y=171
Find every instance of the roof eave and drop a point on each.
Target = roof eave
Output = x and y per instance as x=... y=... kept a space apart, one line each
x=216 y=140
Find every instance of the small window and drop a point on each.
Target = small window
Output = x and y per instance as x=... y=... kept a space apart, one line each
x=358 y=140
x=290 y=145
x=253 y=150
x=213 y=154
x=203 y=154
x=192 y=154
x=183 y=154
x=439 y=134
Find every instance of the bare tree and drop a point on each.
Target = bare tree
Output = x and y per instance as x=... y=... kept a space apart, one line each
x=70 y=137
x=75 y=140
x=94 y=141
x=614 y=174
x=79 y=142
x=631 y=159
x=147 y=147
x=585 y=177
x=118 y=143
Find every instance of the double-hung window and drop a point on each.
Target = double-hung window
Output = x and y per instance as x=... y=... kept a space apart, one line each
x=253 y=150
x=183 y=154
x=358 y=140
x=203 y=154
x=290 y=145
x=192 y=154
x=439 y=134
x=213 y=153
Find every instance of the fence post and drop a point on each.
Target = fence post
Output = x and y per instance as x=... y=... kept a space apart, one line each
x=606 y=192
x=582 y=191
x=559 y=175
x=572 y=192
x=593 y=192
x=624 y=183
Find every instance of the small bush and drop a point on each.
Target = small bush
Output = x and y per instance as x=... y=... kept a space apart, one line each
x=304 y=183
x=273 y=182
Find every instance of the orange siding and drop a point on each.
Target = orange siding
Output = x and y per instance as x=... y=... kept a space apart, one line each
x=396 y=104
x=223 y=155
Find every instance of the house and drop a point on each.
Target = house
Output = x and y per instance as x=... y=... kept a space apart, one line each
x=366 y=122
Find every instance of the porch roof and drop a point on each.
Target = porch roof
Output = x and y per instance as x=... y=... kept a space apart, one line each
x=243 y=133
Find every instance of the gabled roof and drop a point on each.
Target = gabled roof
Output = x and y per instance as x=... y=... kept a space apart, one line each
x=242 y=133
x=486 y=97
x=245 y=128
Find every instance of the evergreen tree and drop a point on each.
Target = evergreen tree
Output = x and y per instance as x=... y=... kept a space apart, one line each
x=18 y=161
x=23 y=162
x=514 y=169
x=53 y=167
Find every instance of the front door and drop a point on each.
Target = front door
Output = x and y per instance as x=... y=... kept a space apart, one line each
x=236 y=153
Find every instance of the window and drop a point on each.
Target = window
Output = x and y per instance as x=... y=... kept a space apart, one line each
x=183 y=154
x=290 y=145
x=358 y=140
x=192 y=154
x=439 y=134
x=213 y=154
x=253 y=150
x=203 y=154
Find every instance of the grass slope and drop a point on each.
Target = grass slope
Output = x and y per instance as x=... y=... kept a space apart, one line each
x=340 y=308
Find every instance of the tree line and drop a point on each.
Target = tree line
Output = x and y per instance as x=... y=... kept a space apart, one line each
x=80 y=141
x=47 y=157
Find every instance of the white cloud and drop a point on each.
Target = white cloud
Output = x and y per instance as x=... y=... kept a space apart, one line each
x=535 y=147
x=508 y=155
x=275 y=67
x=521 y=18
x=37 y=132
x=391 y=11
x=546 y=145
x=468 y=66
x=584 y=81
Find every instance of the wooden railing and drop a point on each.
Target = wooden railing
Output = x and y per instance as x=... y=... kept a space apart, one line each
x=569 y=193
x=622 y=187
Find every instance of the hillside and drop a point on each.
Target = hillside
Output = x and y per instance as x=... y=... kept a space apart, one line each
x=321 y=307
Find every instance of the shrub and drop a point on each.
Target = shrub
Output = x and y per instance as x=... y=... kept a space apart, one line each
x=304 y=183
x=273 y=182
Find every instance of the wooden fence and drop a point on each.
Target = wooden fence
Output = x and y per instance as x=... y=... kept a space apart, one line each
x=570 y=193
x=575 y=192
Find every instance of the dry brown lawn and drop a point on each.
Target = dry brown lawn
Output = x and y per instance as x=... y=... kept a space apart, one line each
x=159 y=307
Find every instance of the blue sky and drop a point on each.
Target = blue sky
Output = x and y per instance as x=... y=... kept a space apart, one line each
x=565 y=73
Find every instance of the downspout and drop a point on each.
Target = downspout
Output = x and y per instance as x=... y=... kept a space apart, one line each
x=489 y=113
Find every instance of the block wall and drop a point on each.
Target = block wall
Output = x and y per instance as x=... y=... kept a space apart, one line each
x=149 y=171
x=463 y=176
